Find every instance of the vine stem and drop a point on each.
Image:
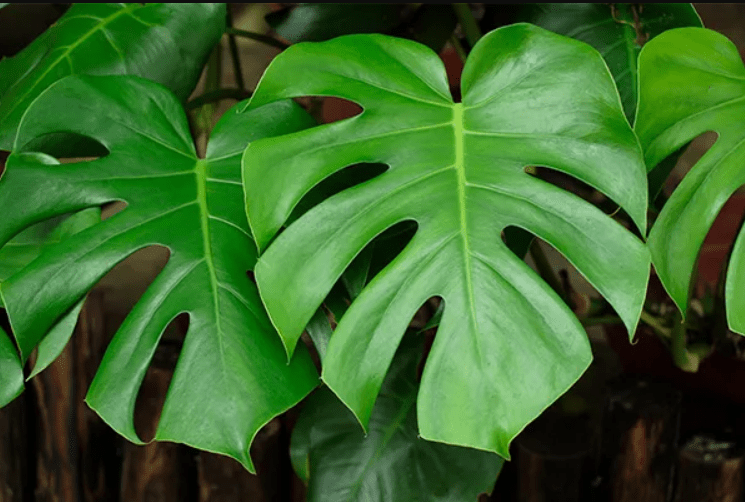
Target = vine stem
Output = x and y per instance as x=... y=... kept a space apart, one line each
x=217 y=95
x=468 y=23
x=458 y=47
x=234 y=54
x=264 y=39
x=545 y=270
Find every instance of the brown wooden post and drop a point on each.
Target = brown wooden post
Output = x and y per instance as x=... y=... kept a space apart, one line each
x=159 y=471
x=13 y=451
x=554 y=456
x=222 y=479
x=639 y=438
x=76 y=451
x=709 y=471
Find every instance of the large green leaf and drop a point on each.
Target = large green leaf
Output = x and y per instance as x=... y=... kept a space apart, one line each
x=693 y=81
x=26 y=247
x=507 y=346
x=11 y=371
x=167 y=43
x=232 y=376
x=617 y=31
x=391 y=463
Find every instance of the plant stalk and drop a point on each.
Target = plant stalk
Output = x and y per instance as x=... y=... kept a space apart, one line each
x=468 y=23
x=217 y=95
x=264 y=39
x=235 y=56
x=458 y=47
x=545 y=270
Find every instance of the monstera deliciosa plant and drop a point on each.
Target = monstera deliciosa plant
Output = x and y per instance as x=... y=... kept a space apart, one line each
x=362 y=220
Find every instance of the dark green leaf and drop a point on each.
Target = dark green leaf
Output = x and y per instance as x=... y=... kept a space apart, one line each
x=11 y=372
x=232 y=376
x=322 y=21
x=391 y=463
x=167 y=43
x=617 y=31
x=693 y=81
x=507 y=346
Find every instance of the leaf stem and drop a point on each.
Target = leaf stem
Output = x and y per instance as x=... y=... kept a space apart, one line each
x=234 y=54
x=654 y=323
x=458 y=48
x=264 y=39
x=545 y=270
x=217 y=95
x=468 y=23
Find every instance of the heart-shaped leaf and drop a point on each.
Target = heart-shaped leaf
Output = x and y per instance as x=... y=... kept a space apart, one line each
x=391 y=463
x=693 y=81
x=232 y=376
x=618 y=31
x=165 y=42
x=507 y=345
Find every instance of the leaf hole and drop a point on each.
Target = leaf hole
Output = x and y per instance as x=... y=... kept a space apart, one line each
x=667 y=175
x=67 y=147
x=154 y=386
x=329 y=109
x=713 y=255
x=341 y=180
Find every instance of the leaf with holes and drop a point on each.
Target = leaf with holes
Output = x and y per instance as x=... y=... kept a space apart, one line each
x=391 y=463
x=617 y=31
x=164 y=42
x=507 y=346
x=693 y=81
x=232 y=376
x=25 y=248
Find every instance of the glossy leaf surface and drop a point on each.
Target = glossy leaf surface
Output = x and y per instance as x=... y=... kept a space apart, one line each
x=339 y=463
x=693 y=81
x=164 y=42
x=618 y=31
x=507 y=345
x=232 y=375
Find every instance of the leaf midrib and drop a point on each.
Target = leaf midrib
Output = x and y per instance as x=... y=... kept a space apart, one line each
x=460 y=169
x=204 y=217
x=68 y=50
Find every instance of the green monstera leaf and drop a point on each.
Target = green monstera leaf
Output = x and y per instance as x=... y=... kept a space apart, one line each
x=232 y=375
x=391 y=463
x=11 y=371
x=618 y=31
x=24 y=249
x=507 y=346
x=164 y=42
x=693 y=81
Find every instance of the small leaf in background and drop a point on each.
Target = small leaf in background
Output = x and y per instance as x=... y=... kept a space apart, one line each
x=430 y=24
x=618 y=31
x=232 y=375
x=167 y=43
x=692 y=82
x=391 y=463
x=507 y=345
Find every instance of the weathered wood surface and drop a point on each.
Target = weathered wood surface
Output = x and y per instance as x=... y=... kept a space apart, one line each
x=13 y=451
x=709 y=471
x=639 y=437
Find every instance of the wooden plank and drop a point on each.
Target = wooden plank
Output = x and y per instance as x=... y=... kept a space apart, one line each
x=709 y=471
x=13 y=451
